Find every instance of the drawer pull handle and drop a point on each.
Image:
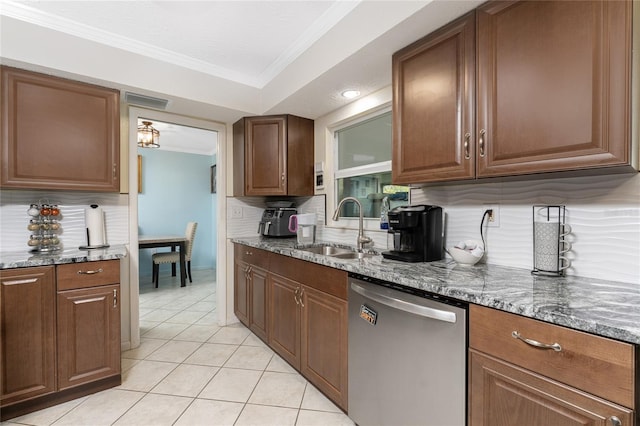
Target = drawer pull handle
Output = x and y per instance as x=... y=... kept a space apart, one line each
x=555 y=346
x=467 y=138
x=89 y=272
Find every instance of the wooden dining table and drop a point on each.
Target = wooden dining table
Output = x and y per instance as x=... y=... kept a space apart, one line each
x=173 y=241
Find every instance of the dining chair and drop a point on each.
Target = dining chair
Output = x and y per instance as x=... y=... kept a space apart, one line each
x=174 y=256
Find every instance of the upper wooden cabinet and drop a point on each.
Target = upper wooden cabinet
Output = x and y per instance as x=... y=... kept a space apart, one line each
x=552 y=88
x=273 y=155
x=433 y=106
x=58 y=134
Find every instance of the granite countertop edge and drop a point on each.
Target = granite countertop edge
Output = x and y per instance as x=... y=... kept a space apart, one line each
x=24 y=259
x=605 y=308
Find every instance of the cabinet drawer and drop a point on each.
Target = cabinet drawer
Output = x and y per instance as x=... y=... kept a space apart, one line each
x=88 y=274
x=598 y=365
x=252 y=256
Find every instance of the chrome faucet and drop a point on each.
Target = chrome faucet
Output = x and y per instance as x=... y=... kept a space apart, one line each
x=362 y=240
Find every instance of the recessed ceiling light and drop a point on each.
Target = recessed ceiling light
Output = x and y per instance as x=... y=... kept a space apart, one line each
x=350 y=94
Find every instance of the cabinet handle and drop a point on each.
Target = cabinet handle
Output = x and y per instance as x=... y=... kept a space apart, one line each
x=483 y=132
x=115 y=298
x=467 y=138
x=89 y=272
x=555 y=346
x=25 y=281
x=295 y=295
x=615 y=421
x=301 y=296
x=248 y=253
x=282 y=177
x=115 y=171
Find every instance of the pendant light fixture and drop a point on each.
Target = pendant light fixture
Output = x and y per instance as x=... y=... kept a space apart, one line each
x=148 y=137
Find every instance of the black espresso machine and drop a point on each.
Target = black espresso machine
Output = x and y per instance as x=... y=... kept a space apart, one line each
x=417 y=233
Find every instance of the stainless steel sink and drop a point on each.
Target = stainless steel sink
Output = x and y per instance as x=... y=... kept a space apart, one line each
x=353 y=255
x=328 y=250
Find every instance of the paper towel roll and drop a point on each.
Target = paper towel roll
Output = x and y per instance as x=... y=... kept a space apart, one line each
x=94 y=222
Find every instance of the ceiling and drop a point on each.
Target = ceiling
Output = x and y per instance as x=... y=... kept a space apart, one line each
x=221 y=60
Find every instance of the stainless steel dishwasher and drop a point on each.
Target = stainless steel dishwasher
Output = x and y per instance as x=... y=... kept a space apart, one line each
x=407 y=356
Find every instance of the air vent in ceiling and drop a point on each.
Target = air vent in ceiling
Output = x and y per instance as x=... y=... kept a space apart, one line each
x=147 y=101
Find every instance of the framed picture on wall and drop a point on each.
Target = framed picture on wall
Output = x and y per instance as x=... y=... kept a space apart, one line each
x=213 y=180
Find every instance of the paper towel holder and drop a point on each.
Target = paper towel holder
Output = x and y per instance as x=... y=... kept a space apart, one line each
x=94 y=230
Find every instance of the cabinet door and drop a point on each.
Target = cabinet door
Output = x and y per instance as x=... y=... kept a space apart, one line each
x=502 y=394
x=241 y=292
x=324 y=343
x=265 y=156
x=27 y=344
x=433 y=106
x=284 y=318
x=258 y=300
x=553 y=86
x=88 y=335
x=58 y=134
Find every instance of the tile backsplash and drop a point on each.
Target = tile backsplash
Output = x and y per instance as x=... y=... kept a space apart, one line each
x=603 y=212
x=14 y=218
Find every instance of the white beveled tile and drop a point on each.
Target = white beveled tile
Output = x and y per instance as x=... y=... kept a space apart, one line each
x=197 y=333
x=46 y=416
x=322 y=418
x=210 y=413
x=186 y=380
x=281 y=389
x=178 y=304
x=209 y=319
x=230 y=335
x=158 y=315
x=250 y=357
x=203 y=306
x=147 y=325
x=156 y=410
x=314 y=400
x=102 y=408
x=145 y=375
x=186 y=317
x=174 y=351
x=211 y=354
x=279 y=365
x=127 y=363
x=253 y=415
x=147 y=346
x=166 y=331
x=231 y=385
x=253 y=340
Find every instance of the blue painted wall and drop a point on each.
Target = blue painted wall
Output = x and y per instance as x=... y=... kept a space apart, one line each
x=176 y=189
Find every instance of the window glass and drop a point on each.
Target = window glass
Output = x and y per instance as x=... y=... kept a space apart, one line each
x=364 y=168
x=367 y=142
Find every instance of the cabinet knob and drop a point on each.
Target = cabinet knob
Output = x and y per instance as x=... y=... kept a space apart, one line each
x=483 y=132
x=615 y=421
x=467 y=138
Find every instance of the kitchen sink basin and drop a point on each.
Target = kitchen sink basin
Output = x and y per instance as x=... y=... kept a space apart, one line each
x=328 y=250
x=353 y=255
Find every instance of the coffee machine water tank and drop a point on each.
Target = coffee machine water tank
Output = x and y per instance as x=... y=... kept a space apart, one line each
x=417 y=233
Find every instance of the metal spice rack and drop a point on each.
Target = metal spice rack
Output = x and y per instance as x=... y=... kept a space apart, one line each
x=44 y=225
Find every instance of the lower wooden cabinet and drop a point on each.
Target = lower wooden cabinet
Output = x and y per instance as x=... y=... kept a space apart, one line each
x=60 y=334
x=88 y=335
x=28 y=344
x=300 y=309
x=503 y=394
x=527 y=372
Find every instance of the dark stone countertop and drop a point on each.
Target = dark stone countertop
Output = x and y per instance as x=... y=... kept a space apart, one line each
x=605 y=308
x=23 y=259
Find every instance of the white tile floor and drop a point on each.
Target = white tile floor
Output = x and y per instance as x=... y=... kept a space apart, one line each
x=188 y=371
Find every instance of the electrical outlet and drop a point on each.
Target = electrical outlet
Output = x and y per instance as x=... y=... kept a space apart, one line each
x=236 y=212
x=494 y=218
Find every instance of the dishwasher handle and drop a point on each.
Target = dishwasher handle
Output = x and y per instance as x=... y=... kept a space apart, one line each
x=404 y=305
